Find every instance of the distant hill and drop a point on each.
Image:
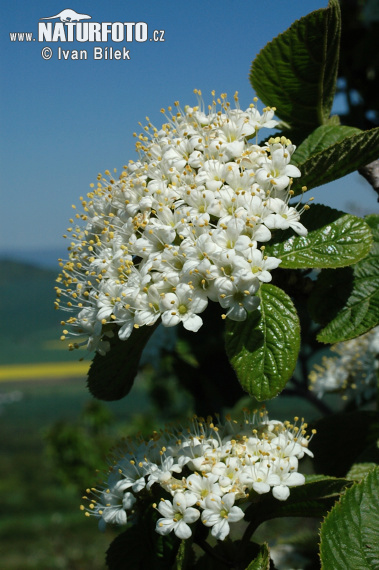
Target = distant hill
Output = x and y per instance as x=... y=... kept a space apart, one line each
x=29 y=323
x=45 y=258
x=30 y=326
x=12 y=271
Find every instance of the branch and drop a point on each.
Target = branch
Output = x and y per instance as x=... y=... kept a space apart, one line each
x=371 y=173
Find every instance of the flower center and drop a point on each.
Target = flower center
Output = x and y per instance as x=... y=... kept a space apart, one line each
x=238 y=296
x=182 y=309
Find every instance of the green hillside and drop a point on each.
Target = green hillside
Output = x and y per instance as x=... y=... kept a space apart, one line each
x=31 y=327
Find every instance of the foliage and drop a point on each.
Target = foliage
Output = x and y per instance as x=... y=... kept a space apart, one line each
x=77 y=449
x=263 y=349
x=349 y=532
x=330 y=274
x=355 y=296
x=297 y=71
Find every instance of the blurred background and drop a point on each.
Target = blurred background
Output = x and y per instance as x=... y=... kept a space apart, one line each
x=62 y=122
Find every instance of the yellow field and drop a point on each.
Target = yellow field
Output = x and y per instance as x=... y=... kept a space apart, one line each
x=43 y=370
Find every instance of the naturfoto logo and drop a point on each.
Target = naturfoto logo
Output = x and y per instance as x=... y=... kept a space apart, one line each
x=69 y=16
x=70 y=28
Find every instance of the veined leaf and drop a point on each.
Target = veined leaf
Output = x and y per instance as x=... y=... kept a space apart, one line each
x=321 y=139
x=111 y=377
x=359 y=470
x=263 y=349
x=321 y=161
x=334 y=239
x=297 y=71
x=355 y=292
x=349 y=534
x=262 y=561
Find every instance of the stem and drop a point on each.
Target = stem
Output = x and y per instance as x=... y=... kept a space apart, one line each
x=209 y=550
x=249 y=531
x=371 y=173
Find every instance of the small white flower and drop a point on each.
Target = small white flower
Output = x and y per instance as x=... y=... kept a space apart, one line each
x=219 y=512
x=113 y=505
x=177 y=516
x=284 y=217
x=260 y=477
x=239 y=297
x=163 y=473
x=183 y=306
x=203 y=486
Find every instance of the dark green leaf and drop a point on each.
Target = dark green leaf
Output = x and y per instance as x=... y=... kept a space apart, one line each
x=334 y=239
x=263 y=349
x=356 y=295
x=321 y=139
x=297 y=71
x=341 y=439
x=349 y=534
x=262 y=561
x=335 y=160
x=359 y=470
x=111 y=377
x=330 y=294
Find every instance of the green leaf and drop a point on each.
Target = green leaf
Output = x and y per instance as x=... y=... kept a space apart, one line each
x=341 y=440
x=359 y=470
x=320 y=162
x=111 y=377
x=320 y=139
x=263 y=349
x=355 y=292
x=297 y=71
x=334 y=239
x=262 y=561
x=349 y=534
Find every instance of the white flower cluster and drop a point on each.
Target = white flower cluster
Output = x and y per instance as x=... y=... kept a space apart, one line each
x=182 y=225
x=353 y=373
x=204 y=470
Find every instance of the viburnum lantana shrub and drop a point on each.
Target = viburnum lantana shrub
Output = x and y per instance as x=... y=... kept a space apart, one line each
x=211 y=214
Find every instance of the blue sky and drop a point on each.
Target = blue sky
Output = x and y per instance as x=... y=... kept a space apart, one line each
x=62 y=121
